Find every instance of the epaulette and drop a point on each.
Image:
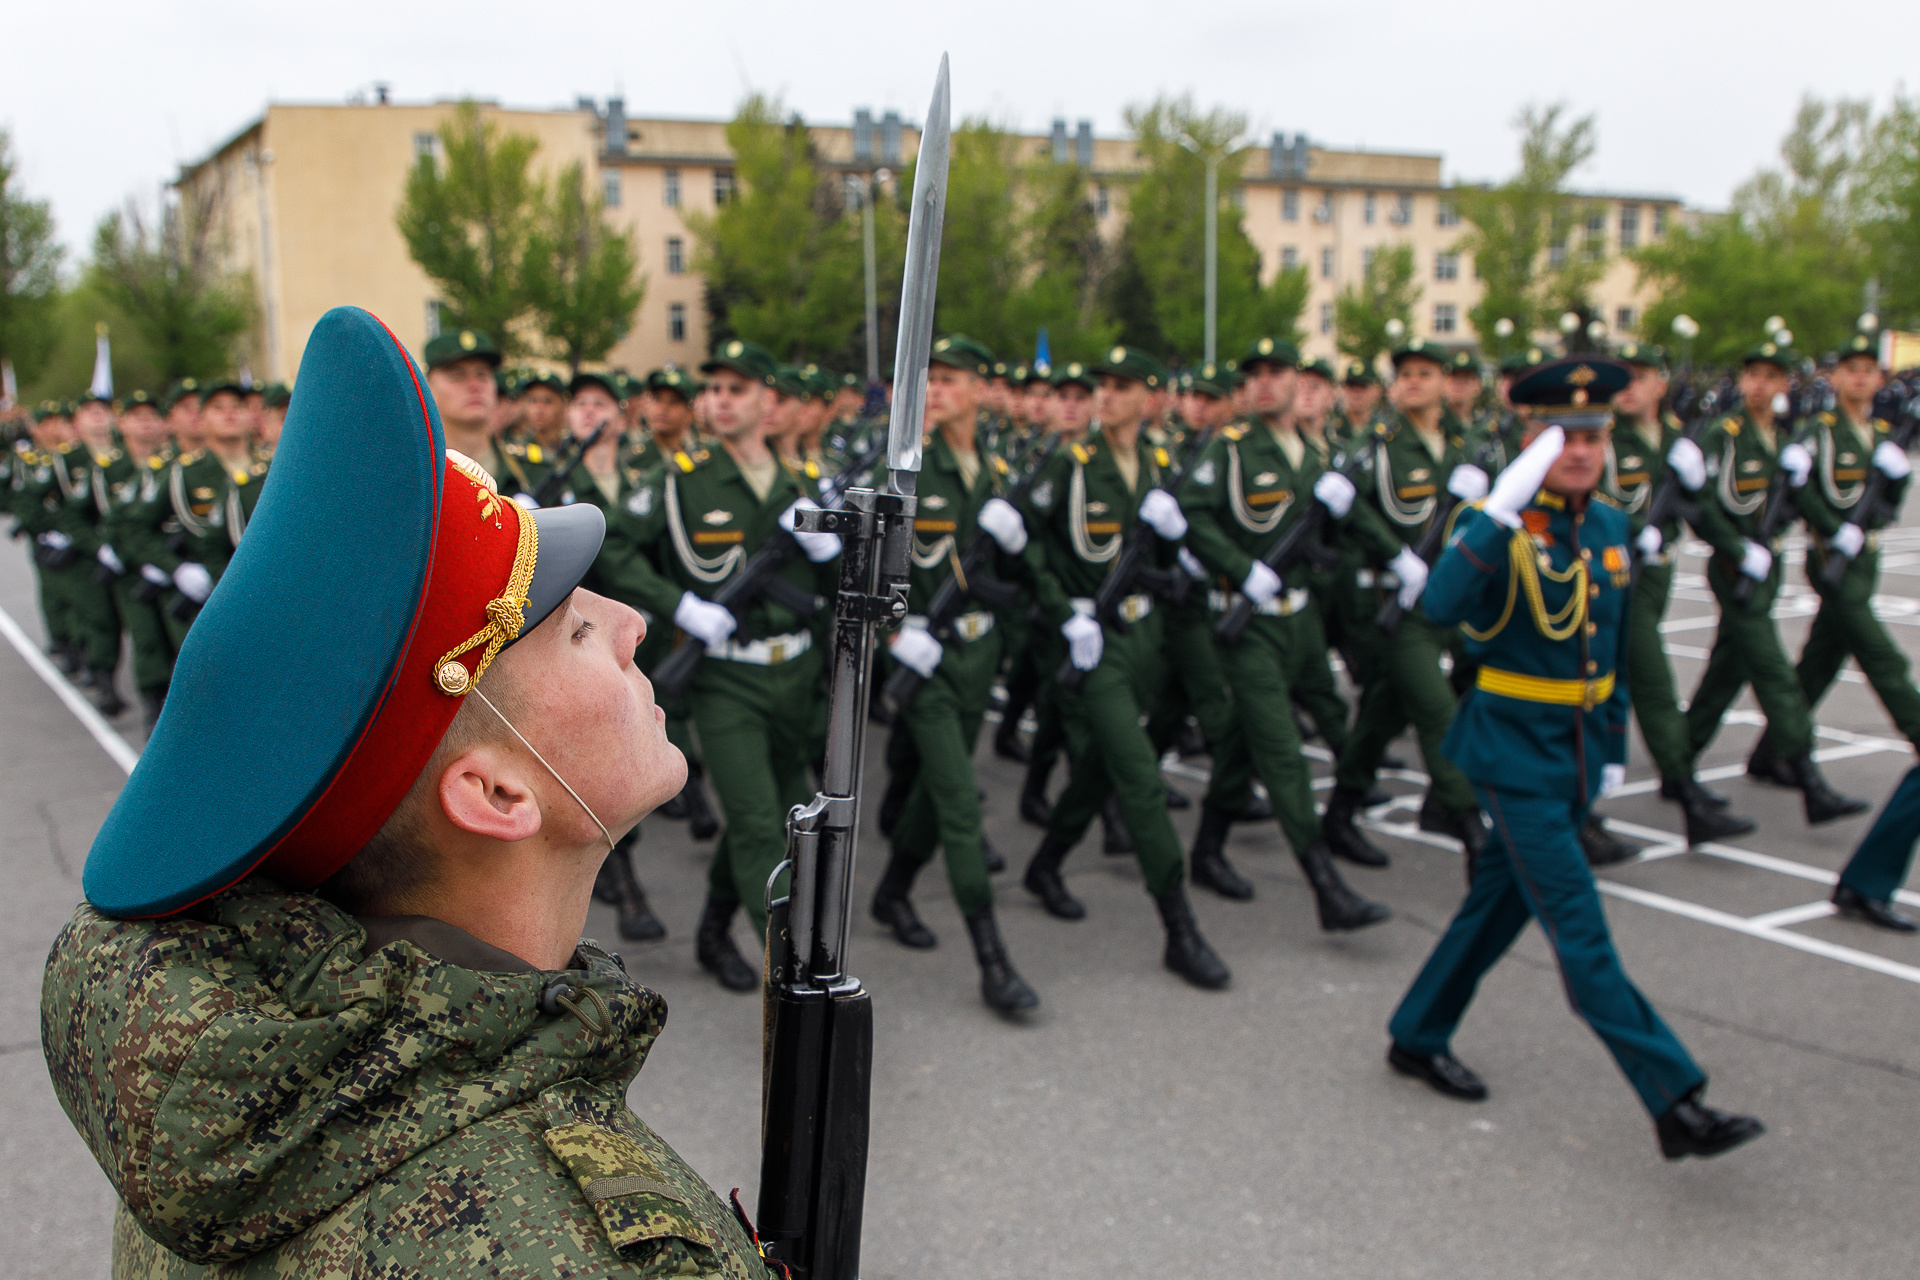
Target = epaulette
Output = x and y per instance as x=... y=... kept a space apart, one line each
x=812 y=469
x=1824 y=418
x=106 y=459
x=682 y=461
x=241 y=477
x=1881 y=427
x=1234 y=431
x=534 y=453
x=68 y=447
x=1000 y=465
x=1082 y=453
x=1732 y=427
x=158 y=462
x=1457 y=442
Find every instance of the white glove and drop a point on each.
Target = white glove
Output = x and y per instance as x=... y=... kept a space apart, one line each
x=1650 y=542
x=1892 y=460
x=55 y=539
x=156 y=575
x=1412 y=572
x=819 y=547
x=1085 y=641
x=705 y=621
x=1261 y=584
x=106 y=557
x=1756 y=561
x=916 y=647
x=1191 y=564
x=1848 y=540
x=999 y=518
x=1612 y=778
x=1335 y=492
x=1468 y=483
x=1797 y=463
x=1162 y=510
x=526 y=500
x=1520 y=482
x=195 y=583
x=1689 y=464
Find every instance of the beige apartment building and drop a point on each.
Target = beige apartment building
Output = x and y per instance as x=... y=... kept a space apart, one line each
x=304 y=199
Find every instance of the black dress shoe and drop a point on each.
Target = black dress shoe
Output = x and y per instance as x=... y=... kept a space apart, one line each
x=1044 y=882
x=1765 y=765
x=1857 y=906
x=1443 y=1071
x=1692 y=1128
x=1343 y=839
x=1676 y=789
x=1602 y=847
x=1822 y=802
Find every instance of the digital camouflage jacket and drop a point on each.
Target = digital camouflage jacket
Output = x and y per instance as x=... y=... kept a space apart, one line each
x=277 y=1089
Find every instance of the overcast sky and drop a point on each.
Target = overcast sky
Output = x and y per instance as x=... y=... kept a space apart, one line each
x=105 y=100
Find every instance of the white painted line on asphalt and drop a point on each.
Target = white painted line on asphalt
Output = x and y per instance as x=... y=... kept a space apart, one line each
x=111 y=742
x=1793 y=915
x=1785 y=937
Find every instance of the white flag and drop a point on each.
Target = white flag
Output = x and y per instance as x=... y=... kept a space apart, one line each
x=8 y=391
x=102 y=363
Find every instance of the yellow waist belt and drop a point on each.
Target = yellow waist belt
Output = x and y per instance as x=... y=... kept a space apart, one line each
x=1564 y=693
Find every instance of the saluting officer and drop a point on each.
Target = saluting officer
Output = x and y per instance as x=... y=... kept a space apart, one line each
x=1539 y=580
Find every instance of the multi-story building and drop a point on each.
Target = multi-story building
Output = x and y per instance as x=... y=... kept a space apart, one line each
x=305 y=196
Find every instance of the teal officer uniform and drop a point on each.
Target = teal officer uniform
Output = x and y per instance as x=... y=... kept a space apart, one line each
x=1544 y=603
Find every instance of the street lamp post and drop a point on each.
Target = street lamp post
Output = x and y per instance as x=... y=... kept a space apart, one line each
x=1213 y=260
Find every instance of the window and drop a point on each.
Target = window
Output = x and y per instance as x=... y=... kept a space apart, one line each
x=670 y=187
x=1323 y=212
x=1448 y=215
x=426 y=146
x=1659 y=223
x=1366 y=261
x=1289 y=257
x=1326 y=317
x=1368 y=215
x=1446 y=266
x=433 y=317
x=1557 y=250
x=1402 y=210
x=1443 y=317
x=1326 y=264
x=1596 y=241
x=610 y=188
x=1629 y=227
x=677 y=322
x=676 y=256
x=1100 y=202
x=1623 y=319
x=1290 y=205
x=722 y=185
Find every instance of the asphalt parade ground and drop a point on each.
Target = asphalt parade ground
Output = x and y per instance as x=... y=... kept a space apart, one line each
x=1138 y=1127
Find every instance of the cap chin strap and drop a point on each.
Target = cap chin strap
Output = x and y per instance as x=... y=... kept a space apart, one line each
x=550 y=769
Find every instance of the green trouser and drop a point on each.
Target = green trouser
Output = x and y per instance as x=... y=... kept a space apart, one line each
x=1403 y=684
x=935 y=734
x=755 y=726
x=93 y=625
x=1110 y=752
x=1746 y=650
x=1656 y=702
x=1196 y=685
x=172 y=605
x=53 y=607
x=1845 y=627
x=1309 y=675
x=1258 y=670
x=153 y=652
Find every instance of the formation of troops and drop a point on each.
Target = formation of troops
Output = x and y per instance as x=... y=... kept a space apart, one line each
x=1136 y=561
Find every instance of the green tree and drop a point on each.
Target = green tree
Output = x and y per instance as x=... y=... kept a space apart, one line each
x=1361 y=313
x=29 y=272
x=581 y=275
x=1066 y=262
x=468 y=220
x=782 y=259
x=1892 y=192
x=1157 y=291
x=165 y=275
x=1528 y=239
x=980 y=266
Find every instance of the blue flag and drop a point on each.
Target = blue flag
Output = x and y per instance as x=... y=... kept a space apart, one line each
x=1042 y=353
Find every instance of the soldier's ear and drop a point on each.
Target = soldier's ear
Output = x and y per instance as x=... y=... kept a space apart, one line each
x=487 y=791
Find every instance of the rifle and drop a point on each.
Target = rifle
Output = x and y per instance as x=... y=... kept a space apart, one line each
x=1670 y=502
x=818 y=1051
x=1428 y=548
x=1301 y=541
x=1779 y=511
x=556 y=482
x=969 y=580
x=1130 y=568
x=1874 y=501
x=760 y=576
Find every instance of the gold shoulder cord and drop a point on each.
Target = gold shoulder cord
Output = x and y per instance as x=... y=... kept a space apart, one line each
x=1249 y=519
x=1077 y=532
x=505 y=616
x=703 y=568
x=1524 y=570
x=1843 y=498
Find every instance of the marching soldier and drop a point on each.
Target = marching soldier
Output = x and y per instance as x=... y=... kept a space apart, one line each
x=543 y=413
x=1086 y=503
x=1238 y=502
x=136 y=591
x=1637 y=450
x=1733 y=471
x=1539 y=579
x=935 y=732
x=83 y=470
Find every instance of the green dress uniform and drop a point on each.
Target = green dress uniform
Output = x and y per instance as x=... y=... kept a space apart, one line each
x=70 y=578
x=1636 y=470
x=185 y=522
x=137 y=596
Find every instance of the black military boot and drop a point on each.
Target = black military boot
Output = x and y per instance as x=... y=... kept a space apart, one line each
x=154 y=701
x=893 y=800
x=1043 y=880
x=1115 y=839
x=996 y=861
x=893 y=907
x=1190 y=741
x=105 y=698
x=68 y=658
x=1692 y=1128
x=1008 y=745
x=713 y=947
x=1823 y=803
x=1674 y=789
x=1209 y=863
x=637 y=921
x=1468 y=828
x=1343 y=838
x=1602 y=847
x=1187 y=952
x=701 y=823
x=1034 y=805
x=1340 y=907
x=1004 y=990
x=1765 y=765
x=675 y=805
x=1704 y=819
